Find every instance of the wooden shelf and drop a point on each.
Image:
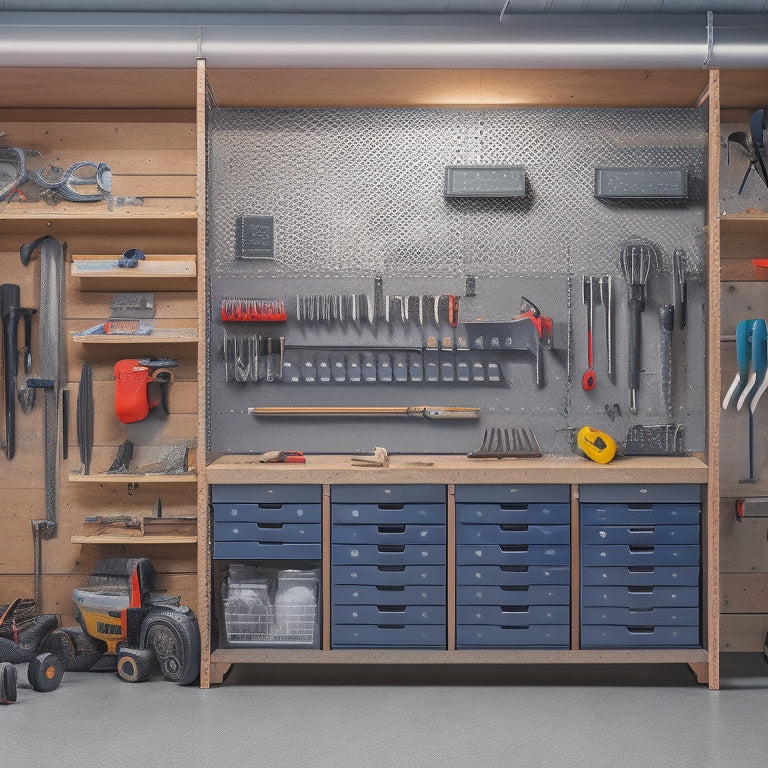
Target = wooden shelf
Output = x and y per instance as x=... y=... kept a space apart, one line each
x=158 y=272
x=744 y=222
x=150 y=209
x=120 y=479
x=158 y=336
x=125 y=538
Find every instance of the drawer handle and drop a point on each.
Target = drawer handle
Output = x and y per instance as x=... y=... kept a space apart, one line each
x=515 y=626
x=273 y=526
x=390 y=608
x=647 y=529
x=515 y=608
x=641 y=610
x=640 y=590
x=641 y=550
x=391 y=528
x=269 y=506
x=391 y=548
x=513 y=527
x=513 y=547
x=640 y=569
x=640 y=507
x=390 y=588
x=390 y=568
x=519 y=507
x=640 y=630
x=390 y=626
x=513 y=568
x=515 y=588
x=391 y=506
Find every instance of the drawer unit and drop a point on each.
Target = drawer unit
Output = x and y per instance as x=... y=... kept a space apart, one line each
x=513 y=566
x=266 y=522
x=388 y=556
x=640 y=554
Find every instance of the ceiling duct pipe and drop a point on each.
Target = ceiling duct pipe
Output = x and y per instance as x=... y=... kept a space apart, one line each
x=362 y=40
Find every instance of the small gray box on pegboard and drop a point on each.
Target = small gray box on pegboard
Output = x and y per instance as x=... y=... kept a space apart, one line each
x=641 y=183
x=255 y=237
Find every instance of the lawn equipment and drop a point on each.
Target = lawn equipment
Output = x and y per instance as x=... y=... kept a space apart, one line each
x=124 y=625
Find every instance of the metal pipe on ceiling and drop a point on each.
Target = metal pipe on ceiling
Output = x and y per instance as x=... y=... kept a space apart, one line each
x=326 y=40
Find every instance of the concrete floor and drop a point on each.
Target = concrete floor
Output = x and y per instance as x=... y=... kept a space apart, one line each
x=644 y=717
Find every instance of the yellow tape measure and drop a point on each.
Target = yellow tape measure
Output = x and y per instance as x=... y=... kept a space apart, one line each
x=596 y=444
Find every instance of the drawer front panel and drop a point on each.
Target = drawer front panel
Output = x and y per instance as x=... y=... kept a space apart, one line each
x=388 y=534
x=389 y=575
x=286 y=533
x=536 y=512
x=513 y=534
x=389 y=494
x=641 y=576
x=395 y=636
x=266 y=513
x=682 y=555
x=367 y=594
x=533 y=636
x=596 y=636
x=537 y=554
x=513 y=616
x=262 y=493
x=402 y=554
x=640 y=597
x=536 y=594
x=641 y=535
x=499 y=494
x=253 y=550
x=384 y=514
x=510 y=575
x=634 y=493
x=388 y=614
x=640 y=514
x=667 y=617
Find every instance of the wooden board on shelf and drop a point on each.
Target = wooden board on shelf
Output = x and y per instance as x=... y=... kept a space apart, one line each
x=158 y=336
x=128 y=539
x=186 y=477
x=155 y=272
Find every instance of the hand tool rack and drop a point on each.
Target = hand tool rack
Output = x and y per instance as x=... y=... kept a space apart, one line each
x=180 y=229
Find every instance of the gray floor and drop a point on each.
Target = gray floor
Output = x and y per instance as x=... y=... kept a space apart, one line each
x=649 y=717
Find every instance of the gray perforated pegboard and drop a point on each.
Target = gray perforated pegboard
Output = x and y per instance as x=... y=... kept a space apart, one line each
x=357 y=193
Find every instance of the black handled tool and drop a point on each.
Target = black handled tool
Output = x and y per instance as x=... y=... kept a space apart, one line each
x=10 y=298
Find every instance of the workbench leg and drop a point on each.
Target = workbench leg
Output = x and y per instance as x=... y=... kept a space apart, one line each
x=219 y=672
x=701 y=671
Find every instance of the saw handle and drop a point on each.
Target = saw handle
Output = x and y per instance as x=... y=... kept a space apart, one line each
x=636 y=307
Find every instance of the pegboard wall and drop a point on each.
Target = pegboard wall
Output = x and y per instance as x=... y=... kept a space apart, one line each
x=356 y=195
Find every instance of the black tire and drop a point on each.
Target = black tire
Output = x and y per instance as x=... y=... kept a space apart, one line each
x=134 y=665
x=45 y=672
x=8 y=679
x=174 y=638
x=76 y=651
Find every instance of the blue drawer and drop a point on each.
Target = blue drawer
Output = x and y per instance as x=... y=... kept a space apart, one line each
x=388 y=554
x=541 y=513
x=513 y=615
x=395 y=636
x=641 y=576
x=369 y=594
x=632 y=617
x=639 y=637
x=254 y=550
x=258 y=492
x=285 y=533
x=389 y=575
x=266 y=513
x=642 y=535
x=536 y=554
x=498 y=494
x=533 y=636
x=513 y=574
x=640 y=597
x=645 y=494
x=640 y=514
x=388 y=534
x=535 y=594
x=431 y=514
x=513 y=533
x=625 y=554
x=389 y=494
x=388 y=614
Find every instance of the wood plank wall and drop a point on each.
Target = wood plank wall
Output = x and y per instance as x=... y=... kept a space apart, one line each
x=152 y=154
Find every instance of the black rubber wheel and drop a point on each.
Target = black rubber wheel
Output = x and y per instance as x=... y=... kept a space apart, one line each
x=8 y=679
x=174 y=638
x=45 y=672
x=134 y=665
x=75 y=650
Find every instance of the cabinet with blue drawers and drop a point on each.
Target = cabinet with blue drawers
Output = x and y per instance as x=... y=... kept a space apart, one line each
x=513 y=557
x=388 y=566
x=640 y=566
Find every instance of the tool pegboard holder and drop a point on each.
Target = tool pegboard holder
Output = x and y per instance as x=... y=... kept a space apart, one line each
x=369 y=258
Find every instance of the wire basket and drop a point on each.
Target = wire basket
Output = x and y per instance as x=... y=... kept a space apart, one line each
x=293 y=624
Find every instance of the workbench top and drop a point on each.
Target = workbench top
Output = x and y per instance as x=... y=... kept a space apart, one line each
x=455 y=469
